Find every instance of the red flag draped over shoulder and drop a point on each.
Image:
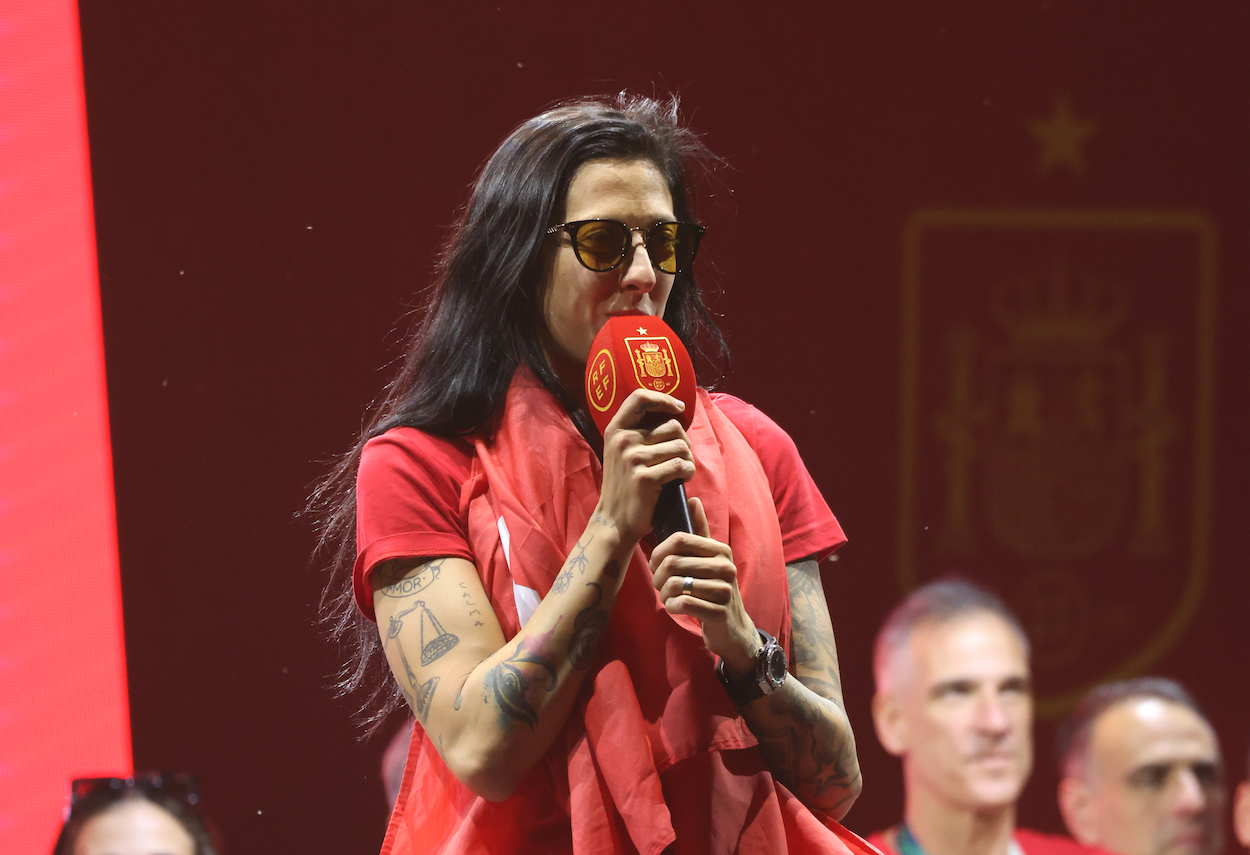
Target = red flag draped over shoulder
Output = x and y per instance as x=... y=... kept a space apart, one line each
x=642 y=761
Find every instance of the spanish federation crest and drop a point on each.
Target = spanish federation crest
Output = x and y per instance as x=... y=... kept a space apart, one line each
x=655 y=366
x=601 y=380
x=1057 y=419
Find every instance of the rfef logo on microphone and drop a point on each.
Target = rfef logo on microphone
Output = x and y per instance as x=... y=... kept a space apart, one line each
x=659 y=363
x=601 y=380
x=655 y=366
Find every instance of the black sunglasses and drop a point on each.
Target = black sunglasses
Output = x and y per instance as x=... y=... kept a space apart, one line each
x=177 y=785
x=601 y=245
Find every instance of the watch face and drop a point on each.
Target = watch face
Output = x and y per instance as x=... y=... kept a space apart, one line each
x=775 y=671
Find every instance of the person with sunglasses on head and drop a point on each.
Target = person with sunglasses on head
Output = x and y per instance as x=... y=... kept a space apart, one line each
x=146 y=814
x=578 y=687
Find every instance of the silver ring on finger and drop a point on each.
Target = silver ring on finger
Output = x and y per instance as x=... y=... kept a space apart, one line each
x=687 y=586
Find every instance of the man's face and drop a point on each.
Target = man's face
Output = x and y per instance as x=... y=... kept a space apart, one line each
x=960 y=712
x=1241 y=813
x=1155 y=780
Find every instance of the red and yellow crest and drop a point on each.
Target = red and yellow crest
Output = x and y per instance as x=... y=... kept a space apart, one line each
x=658 y=360
x=655 y=366
x=1054 y=446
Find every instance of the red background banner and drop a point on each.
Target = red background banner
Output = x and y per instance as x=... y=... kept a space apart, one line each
x=273 y=179
x=63 y=711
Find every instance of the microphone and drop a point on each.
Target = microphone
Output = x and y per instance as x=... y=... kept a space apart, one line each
x=642 y=352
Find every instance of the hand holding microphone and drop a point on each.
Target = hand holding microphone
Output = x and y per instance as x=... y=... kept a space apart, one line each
x=634 y=361
x=639 y=352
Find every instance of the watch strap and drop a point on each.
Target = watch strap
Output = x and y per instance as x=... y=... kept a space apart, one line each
x=754 y=684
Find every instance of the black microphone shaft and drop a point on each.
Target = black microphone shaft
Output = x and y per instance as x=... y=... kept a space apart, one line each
x=671 y=512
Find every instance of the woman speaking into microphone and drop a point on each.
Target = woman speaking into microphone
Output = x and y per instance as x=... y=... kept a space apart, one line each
x=578 y=687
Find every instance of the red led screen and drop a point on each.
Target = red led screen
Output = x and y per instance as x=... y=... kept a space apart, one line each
x=63 y=710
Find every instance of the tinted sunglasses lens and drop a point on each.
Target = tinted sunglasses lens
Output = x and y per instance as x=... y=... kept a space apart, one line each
x=601 y=245
x=672 y=246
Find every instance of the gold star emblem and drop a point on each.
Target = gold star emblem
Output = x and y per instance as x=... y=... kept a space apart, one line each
x=642 y=331
x=1062 y=137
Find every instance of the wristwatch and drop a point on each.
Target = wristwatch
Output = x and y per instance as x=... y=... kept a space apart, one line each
x=768 y=675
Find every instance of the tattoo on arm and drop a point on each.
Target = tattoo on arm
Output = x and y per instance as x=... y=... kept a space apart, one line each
x=396 y=581
x=612 y=570
x=822 y=761
x=511 y=680
x=425 y=694
x=562 y=581
x=815 y=652
x=434 y=646
x=588 y=628
x=803 y=731
x=579 y=559
x=435 y=641
x=392 y=634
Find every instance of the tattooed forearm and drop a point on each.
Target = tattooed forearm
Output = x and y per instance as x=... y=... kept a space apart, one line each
x=803 y=729
x=511 y=681
x=612 y=570
x=815 y=652
x=810 y=747
x=588 y=628
x=578 y=560
x=831 y=760
x=561 y=584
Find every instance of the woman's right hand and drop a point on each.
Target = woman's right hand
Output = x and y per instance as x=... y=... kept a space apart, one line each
x=642 y=451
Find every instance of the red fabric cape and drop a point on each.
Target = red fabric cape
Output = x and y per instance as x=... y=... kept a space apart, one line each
x=651 y=707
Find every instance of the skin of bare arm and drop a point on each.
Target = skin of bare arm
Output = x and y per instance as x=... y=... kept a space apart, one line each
x=493 y=708
x=802 y=727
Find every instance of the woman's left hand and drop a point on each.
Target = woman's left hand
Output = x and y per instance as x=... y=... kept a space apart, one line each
x=696 y=576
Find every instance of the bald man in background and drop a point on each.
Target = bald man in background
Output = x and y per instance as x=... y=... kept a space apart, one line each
x=1140 y=771
x=954 y=701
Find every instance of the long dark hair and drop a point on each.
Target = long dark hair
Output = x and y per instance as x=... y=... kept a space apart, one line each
x=483 y=319
x=183 y=806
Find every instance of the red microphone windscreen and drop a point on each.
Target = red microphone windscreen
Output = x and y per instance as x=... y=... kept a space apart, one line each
x=637 y=352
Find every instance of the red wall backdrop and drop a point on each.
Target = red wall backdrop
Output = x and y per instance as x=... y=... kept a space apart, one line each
x=63 y=710
x=978 y=264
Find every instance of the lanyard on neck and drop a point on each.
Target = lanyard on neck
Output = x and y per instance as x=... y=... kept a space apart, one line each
x=907 y=845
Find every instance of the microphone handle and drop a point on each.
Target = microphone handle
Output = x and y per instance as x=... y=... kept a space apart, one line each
x=671 y=513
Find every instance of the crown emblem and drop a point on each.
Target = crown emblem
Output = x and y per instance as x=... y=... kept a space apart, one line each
x=1036 y=307
x=649 y=347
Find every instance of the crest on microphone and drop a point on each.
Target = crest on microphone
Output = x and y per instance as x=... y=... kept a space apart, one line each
x=601 y=380
x=655 y=364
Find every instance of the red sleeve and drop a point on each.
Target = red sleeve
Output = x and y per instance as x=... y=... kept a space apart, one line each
x=408 y=503
x=808 y=527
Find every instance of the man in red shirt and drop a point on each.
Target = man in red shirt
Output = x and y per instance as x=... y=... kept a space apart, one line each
x=1141 y=772
x=954 y=702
